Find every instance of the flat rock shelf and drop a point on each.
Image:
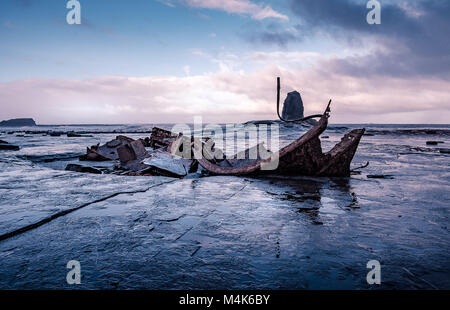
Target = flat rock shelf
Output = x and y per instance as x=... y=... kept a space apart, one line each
x=227 y=232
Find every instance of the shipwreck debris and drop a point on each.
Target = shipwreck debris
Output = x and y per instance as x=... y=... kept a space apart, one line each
x=165 y=163
x=360 y=167
x=166 y=153
x=159 y=138
x=131 y=151
x=304 y=156
x=107 y=151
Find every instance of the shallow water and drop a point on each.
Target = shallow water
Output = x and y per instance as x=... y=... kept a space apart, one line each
x=228 y=232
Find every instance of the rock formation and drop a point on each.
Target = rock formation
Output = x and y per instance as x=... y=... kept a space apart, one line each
x=293 y=106
x=18 y=122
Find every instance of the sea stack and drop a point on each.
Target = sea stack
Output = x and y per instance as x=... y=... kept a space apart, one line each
x=18 y=122
x=293 y=106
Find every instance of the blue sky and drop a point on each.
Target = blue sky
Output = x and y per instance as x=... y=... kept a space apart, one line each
x=138 y=38
x=168 y=60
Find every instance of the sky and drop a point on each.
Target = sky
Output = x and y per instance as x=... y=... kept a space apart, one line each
x=166 y=61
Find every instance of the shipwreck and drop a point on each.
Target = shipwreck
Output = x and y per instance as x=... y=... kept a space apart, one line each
x=170 y=154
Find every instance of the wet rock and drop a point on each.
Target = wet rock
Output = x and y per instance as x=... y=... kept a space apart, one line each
x=379 y=176
x=9 y=147
x=422 y=149
x=293 y=106
x=261 y=122
x=301 y=198
x=82 y=169
x=76 y=135
x=35 y=132
x=55 y=134
x=434 y=142
x=49 y=158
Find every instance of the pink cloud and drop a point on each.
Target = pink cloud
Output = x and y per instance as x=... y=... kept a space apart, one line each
x=256 y=11
x=226 y=96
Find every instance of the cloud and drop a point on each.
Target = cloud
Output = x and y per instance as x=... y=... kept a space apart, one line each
x=244 y=7
x=187 y=70
x=226 y=61
x=226 y=96
x=412 y=38
x=270 y=36
x=167 y=2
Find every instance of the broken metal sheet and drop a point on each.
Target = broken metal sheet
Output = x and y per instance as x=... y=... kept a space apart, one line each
x=168 y=163
x=107 y=151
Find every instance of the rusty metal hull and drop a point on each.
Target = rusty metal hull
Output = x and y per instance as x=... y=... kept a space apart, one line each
x=304 y=156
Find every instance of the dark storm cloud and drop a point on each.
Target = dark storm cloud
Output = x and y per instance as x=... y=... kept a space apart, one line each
x=414 y=38
x=418 y=23
x=273 y=34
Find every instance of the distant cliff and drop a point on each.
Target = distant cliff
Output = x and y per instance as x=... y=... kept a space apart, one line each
x=18 y=122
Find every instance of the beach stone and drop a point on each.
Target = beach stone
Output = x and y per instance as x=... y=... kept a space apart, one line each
x=293 y=106
x=379 y=176
x=9 y=147
x=434 y=142
x=76 y=135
